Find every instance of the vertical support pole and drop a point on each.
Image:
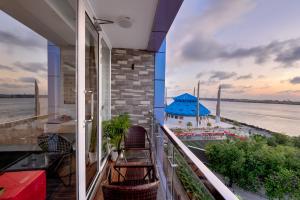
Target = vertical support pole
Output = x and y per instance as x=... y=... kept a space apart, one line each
x=159 y=93
x=218 y=108
x=197 y=118
x=54 y=77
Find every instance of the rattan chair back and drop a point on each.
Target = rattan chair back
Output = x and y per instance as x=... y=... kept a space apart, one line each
x=123 y=192
x=54 y=143
x=136 y=137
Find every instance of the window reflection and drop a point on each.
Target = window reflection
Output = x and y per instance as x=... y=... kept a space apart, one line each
x=38 y=92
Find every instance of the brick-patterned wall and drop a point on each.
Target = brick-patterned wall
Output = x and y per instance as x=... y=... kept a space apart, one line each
x=132 y=90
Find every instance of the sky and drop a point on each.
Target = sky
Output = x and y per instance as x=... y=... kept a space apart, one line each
x=23 y=58
x=249 y=47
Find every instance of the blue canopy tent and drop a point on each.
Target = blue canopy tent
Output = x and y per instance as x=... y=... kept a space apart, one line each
x=186 y=105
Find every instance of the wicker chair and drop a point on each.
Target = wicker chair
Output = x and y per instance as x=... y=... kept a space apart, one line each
x=136 y=138
x=126 y=192
x=60 y=147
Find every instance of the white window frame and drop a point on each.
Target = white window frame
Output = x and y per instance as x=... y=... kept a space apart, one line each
x=84 y=8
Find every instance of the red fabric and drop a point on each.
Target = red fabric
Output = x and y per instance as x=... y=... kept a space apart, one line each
x=23 y=185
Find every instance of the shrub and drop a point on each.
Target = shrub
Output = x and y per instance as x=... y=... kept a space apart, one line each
x=255 y=163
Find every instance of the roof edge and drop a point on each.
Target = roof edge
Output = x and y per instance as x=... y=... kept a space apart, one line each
x=165 y=14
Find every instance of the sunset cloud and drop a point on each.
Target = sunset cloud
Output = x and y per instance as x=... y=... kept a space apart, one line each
x=221 y=75
x=30 y=42
x=295 y=80
x=248 y=76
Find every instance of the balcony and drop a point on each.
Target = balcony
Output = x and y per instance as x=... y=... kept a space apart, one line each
x=181 y=174
x=70 y=74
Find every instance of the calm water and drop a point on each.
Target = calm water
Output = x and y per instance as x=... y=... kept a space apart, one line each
x=19 y=108
x=276 y=117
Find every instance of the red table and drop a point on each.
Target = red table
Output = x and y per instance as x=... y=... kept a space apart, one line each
x=23 y=185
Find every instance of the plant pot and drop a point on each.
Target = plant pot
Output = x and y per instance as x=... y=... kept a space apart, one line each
x=92 y=157
x=114 y=155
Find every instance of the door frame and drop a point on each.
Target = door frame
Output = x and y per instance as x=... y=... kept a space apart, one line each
x=84 y=8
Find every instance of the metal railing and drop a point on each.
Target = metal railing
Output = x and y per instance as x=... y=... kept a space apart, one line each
x=186 y=177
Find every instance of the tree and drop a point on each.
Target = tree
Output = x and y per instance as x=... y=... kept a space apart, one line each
x=283 y=183
x=227 y=159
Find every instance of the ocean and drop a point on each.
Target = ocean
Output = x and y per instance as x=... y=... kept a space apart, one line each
x=279 y=118
x=275 y=117
x=12 y=109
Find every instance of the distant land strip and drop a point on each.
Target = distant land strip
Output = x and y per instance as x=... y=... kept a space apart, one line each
x=20 y=96
x=287 y=102
x=255 y=101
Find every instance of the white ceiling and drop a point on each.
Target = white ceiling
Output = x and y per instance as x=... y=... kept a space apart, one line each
x=55 y=19
x=141 y=12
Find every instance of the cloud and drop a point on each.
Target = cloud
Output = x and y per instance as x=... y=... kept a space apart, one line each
x=200 y=49
x=199 y=75
x=289 y=92
x=246 y=87
x=31 y=42
x=31 y=66
x=290 y=56
x=236 y=91
x=248 y=76
x=221 y=75
x=261 y=76
x=199 y=31
x=7 y=68
x=28 y=79
x=195 y=40
x=227 y=86
x=295 y=80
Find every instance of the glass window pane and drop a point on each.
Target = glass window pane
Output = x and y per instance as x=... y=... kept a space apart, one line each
x=38 y=91
x=91 y=88
x=105 y=78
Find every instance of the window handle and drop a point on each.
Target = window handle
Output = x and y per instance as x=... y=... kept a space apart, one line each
x=92 y=105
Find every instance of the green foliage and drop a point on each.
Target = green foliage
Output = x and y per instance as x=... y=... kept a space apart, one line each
x=271 y=141
x=230 y=156
x=283 y=183
x=255 y=163
x=208 y=124
x=177 y=130
x=296 y=141
x=191 y=183
x=235 y=123
x=281 y=138
x=116 y=128
x=189 y=124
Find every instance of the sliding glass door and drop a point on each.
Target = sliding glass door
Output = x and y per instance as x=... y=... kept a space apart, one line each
x=91 y=101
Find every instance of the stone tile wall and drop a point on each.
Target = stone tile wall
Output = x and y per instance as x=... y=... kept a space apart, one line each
x=132 y=84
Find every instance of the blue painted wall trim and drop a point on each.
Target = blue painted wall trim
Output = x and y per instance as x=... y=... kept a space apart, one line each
x=159 y=83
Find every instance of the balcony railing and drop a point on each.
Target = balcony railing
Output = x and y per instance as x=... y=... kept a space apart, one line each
x=182 y=174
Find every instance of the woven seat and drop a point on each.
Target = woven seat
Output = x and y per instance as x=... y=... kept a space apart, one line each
x=136 y=138
x=127 y=192
x=57 y=145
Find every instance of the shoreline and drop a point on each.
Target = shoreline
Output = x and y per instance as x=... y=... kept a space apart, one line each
x=255 y=101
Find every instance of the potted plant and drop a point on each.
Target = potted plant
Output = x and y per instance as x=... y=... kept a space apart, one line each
x=115 y=129
x=189 y=125
x=93 y=143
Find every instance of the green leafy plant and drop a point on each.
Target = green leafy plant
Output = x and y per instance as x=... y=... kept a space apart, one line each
x=259 y=162
x=189 y=125
x=116 y=128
